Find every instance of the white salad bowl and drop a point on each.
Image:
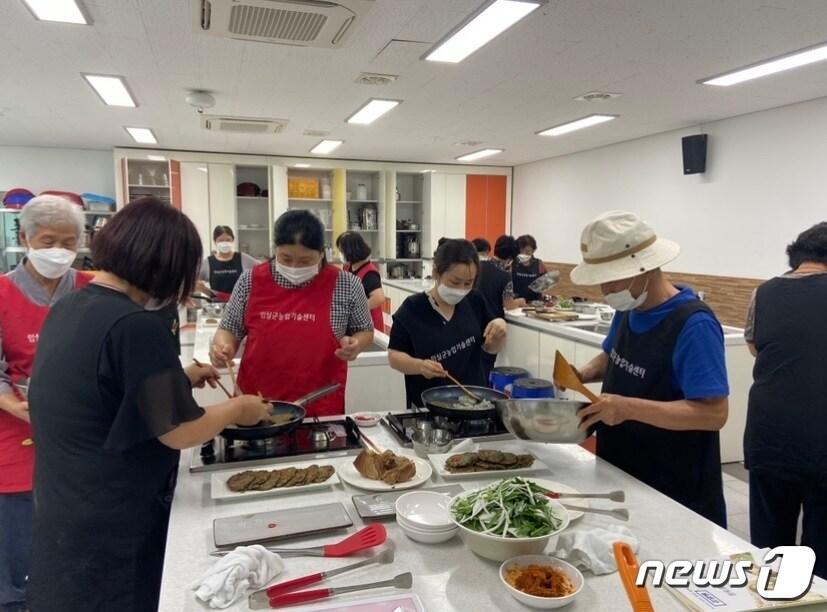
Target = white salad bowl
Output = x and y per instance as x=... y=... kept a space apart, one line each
x=499 y=548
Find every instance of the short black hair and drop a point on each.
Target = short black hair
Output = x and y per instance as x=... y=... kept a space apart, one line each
x=453 y=251
x=506 y=247
x=353 y=247
x=482 y=245
x=526 y=240
x=300 y=227
x=220 y=230
x=811 y=245
x=153 y=247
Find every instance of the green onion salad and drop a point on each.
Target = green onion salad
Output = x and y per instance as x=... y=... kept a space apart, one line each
x=512 y=508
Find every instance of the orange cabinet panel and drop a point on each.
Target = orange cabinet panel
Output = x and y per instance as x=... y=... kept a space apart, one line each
x=485 y=198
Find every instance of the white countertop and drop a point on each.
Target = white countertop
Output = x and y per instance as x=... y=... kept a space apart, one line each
x=733 y=336
x=447 y=577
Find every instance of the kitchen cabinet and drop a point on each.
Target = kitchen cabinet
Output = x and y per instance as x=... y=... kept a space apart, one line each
x=141 y=178
x=444 y=211
x=485 y=206
x=195 y=197
x=522 y=349
x=221 y=181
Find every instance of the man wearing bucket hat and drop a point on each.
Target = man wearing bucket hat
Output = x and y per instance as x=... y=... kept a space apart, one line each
x=663 y=370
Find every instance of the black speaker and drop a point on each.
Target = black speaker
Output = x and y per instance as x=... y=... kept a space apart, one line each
x=694 y=154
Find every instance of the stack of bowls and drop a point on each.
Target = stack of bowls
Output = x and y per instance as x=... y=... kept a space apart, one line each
x=423 y=516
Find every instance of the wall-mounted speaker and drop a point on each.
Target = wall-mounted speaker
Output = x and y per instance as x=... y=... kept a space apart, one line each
x=694 y=154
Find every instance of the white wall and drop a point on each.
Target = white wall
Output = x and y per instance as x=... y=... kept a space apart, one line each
x=766 y=181
x=41 y=168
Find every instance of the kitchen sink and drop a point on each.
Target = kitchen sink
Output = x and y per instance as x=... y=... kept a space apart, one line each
x=596 y=327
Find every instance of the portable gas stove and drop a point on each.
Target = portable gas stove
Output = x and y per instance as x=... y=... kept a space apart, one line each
x=310 y=440
x=404 y=424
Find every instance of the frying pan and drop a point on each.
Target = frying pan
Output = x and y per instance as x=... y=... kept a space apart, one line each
x=295 y=410
x=439 y=402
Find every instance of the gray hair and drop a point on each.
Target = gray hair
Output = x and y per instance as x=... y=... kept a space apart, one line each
x=50 y=211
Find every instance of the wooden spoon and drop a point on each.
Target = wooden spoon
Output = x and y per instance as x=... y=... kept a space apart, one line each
x=565 y=376
x=465 y=389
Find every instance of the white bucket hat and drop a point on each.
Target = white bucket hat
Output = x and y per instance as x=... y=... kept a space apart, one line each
x=618 y=245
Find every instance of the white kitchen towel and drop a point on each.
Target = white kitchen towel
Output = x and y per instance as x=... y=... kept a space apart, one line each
x=591 y=549
x=229 y=578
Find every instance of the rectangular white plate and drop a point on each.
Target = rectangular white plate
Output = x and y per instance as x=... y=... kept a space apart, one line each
x=438 y=461
x=220 y=491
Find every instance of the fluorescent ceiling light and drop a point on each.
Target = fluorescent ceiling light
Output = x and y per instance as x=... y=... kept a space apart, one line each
x=142 y=135
x=111 y=90
x=64 y=11
x=482 y=27
x=156 y=158
x=326 y=146
x=301 y=165
x=766 y=68
x=578 y=124
x=479 y=154
x=372 y=110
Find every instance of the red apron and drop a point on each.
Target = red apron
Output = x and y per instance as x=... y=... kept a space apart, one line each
x=375 y=313
x=20 y=322
x=290 y=341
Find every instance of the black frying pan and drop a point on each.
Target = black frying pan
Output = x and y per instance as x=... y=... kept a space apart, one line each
x=294 y=410
x=440 y=400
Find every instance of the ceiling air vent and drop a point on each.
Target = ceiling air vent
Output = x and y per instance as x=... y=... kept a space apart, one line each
x=597 y=96
x=305 y=23
x=242 y=125
x=373 y=78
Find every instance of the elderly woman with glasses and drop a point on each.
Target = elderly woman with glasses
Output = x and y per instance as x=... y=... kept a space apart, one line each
x=50 y=229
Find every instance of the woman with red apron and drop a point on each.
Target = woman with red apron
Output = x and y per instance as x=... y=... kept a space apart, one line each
x=303 y=320
x=357 y=255
x=50 y=229
x=224 y=267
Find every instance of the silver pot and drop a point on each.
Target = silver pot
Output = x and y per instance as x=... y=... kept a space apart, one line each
x=544 y=420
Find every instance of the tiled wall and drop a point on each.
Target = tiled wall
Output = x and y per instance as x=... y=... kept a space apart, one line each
x=728 y=296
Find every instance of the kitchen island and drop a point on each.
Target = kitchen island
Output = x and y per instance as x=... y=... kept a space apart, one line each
x=447 y=577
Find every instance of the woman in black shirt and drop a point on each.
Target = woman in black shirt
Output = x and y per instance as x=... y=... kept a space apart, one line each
x=526 y=269
x=111 y=407
x=224 y=267
x=447 y=328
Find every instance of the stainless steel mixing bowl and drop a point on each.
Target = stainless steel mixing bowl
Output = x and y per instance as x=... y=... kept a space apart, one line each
x=542 y=420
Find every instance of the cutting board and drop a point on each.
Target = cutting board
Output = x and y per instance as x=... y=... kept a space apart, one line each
x=554 y=316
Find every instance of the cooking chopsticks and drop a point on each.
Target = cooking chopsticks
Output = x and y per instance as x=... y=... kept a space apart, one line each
x=465 y=389
x=218 y=381
x=231 y=370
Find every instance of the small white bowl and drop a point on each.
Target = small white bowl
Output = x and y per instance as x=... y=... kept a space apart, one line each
x=425 y=510
x=406 y=523
x=367 y=419
x=544 y=603
x=498 y=548
x=427 y=537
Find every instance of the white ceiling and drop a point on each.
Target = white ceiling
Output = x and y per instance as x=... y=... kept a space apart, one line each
x=651 y=51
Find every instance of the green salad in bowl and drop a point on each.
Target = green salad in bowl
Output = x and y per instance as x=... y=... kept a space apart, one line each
x=508 y=518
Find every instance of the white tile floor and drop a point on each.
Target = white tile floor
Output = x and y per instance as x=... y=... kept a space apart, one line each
x=736 y=493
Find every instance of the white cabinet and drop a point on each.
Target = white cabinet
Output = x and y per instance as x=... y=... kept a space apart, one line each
x=221 y=178
x=739 y=365
x=195 y=197
x=444 y=210
x=522 y=349
x=549 y=345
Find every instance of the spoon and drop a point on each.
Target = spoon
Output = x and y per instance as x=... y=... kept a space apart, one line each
x=565 y=376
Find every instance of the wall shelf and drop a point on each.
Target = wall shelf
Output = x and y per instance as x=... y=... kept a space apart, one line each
x=252 y=198
x=409 y=201
x=310 y=200
x=409 y=231
x=131 y=186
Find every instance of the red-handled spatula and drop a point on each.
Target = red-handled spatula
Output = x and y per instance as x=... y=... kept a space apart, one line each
x=401 y=581
x=370 y=536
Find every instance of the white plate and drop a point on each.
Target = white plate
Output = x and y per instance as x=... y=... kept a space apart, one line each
x=348 y=472
x=367 y=419
x=438 y=461
x=559 y=487
x=220 y=491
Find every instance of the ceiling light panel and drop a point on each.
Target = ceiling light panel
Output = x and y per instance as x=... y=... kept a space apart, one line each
x=478 y=155
x=62 y=11
x=326 y=146
x=481 y=28
x=578 y=124
x=112 y=90
x=142 y=135
x=768 y=67
x=372 y=110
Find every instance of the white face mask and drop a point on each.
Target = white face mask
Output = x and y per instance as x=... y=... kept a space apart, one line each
x=523 y=258
x=224 y=247
x=297 y=276
x=51 y=263
x=624 y=300
x=450 y=295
